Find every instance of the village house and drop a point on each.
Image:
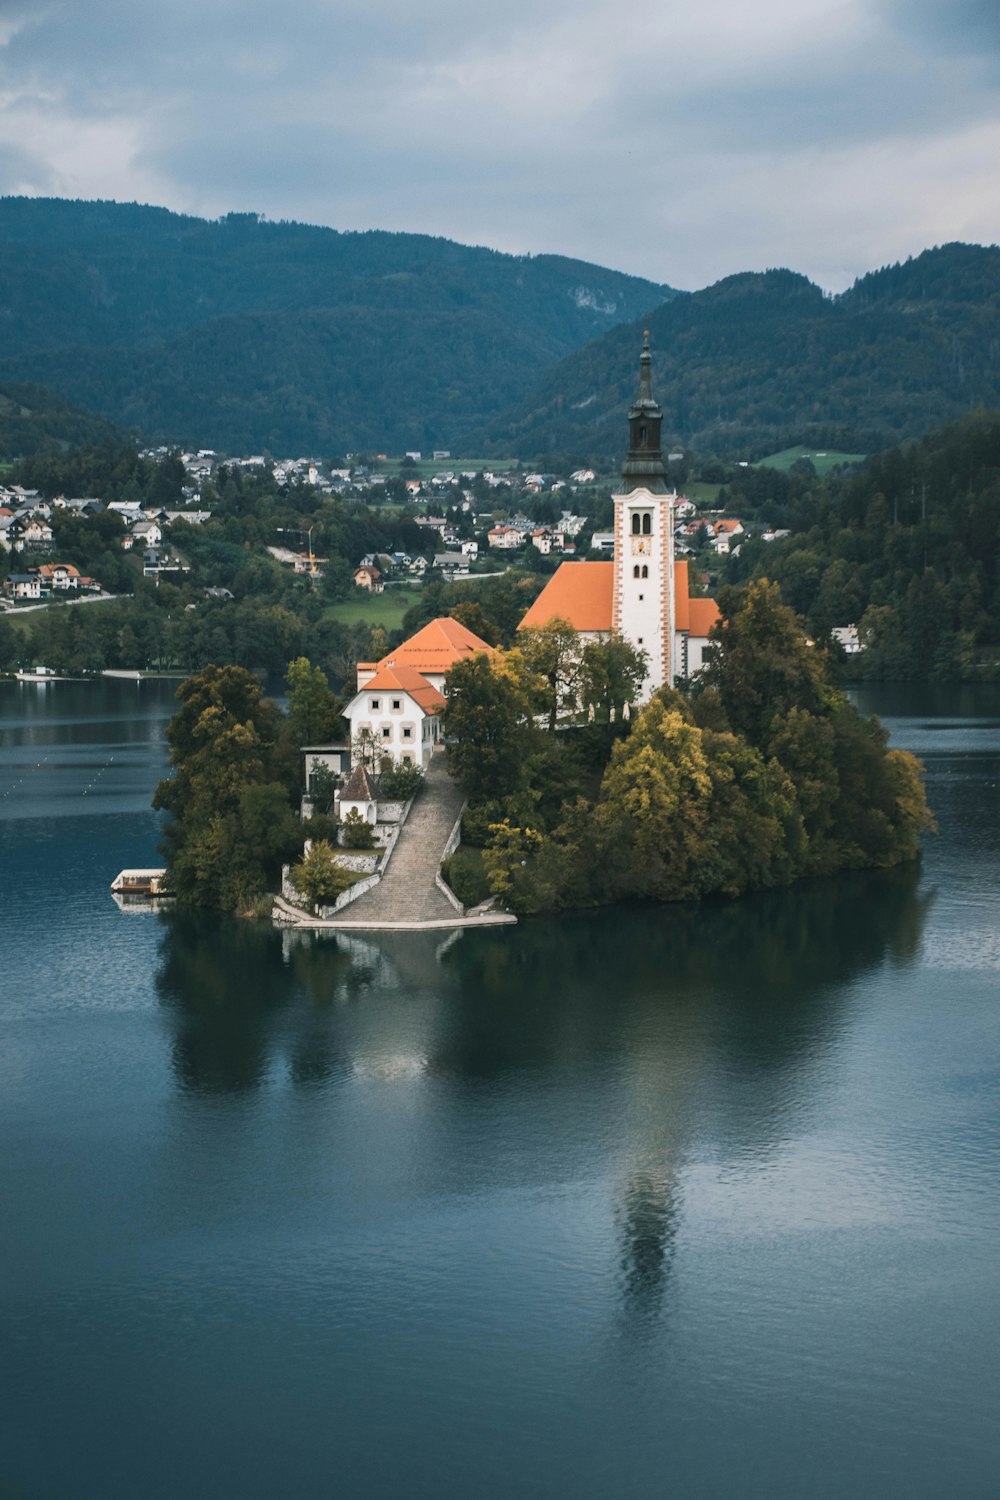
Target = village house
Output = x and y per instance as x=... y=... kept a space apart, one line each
x=505 y=538
x=22 y=587
x=369 y=577
x=727 y=533
x=58 y=576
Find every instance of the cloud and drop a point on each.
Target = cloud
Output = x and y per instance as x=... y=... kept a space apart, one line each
x=24 y=171
x=683 y=142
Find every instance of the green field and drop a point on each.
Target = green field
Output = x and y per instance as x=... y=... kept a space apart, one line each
x=702 y=494
x=386 y=609
x=822 y=460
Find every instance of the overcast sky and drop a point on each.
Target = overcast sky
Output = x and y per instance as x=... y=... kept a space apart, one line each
x=677 y=141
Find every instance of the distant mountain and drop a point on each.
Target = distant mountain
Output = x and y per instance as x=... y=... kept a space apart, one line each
x=243 y=334
x=34 y=420
x=759 y=361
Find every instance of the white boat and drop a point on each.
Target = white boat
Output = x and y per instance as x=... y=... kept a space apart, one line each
x=144 y=884
x=39 y=674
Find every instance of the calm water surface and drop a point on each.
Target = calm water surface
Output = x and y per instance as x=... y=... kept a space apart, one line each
x=691 y=1203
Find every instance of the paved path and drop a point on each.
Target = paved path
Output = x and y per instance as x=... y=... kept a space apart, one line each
x=407 y=892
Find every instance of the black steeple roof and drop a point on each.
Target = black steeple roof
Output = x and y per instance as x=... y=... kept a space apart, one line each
x=644 y=468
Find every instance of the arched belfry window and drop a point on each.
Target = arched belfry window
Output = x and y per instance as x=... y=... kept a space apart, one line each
x=635 y=524
x=645 y=571
x=635 y=571
x=647 y=524
x=642 y=435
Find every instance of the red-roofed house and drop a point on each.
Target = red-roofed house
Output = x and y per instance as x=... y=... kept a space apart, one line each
x=399 y=698
x=435 y=648
x=398 y=707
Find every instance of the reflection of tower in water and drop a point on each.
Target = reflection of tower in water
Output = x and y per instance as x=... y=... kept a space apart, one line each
x=647 y=1216
x=648 y=1196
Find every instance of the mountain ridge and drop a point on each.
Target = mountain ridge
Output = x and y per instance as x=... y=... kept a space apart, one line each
x=762 y=359
x=115 y=305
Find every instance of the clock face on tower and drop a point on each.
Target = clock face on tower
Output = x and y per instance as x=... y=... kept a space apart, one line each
x=641 y=546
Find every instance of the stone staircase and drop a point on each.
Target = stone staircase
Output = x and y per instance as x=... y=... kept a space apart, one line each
x=407 y=891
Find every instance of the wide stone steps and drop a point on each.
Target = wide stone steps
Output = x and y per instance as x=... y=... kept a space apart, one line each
x=407 y=891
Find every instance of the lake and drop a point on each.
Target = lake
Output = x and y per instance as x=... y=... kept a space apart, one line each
x=693 y=1201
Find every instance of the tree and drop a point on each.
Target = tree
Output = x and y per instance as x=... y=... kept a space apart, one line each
x=554 y=654
x=488 y=721
x=762 y=665
x=612 y=673
x=654 y=806
x=313 y=709
x=319 y=876
x=229 y=806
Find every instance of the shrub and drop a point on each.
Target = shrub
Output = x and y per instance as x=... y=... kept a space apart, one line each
x=464 y=872
x=319 y=877
x=357 y=834
x=398 y=781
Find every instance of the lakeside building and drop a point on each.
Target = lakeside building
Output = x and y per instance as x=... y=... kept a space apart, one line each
x=400 y=697
x=643 y=594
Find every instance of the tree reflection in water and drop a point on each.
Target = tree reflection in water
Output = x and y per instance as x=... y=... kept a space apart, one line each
x=625 y=1038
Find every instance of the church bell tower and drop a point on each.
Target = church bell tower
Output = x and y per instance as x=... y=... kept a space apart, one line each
x=643 y=599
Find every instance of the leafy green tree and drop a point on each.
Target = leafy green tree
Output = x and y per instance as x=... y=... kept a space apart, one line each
x=553 y=653
x=319 y=876
x=611 y=676
x=229 y=814
x=763 y=664
x=313 y=709
x=358 y=832
x=488 y=720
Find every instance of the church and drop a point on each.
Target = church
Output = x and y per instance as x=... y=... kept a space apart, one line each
x=643 y=594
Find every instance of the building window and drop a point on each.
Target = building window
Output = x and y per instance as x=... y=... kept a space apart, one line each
x=635 y=571
x=647 y=524
x=638 y=640
x=645 y=572
x=397 y=703
x=386 y=732
x=641 y=597
x=407 y=732
x=636 y=524
x=373 y=705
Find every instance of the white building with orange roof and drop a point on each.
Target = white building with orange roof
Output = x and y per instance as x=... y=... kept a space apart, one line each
x=643 y=594
x=435 y=648
x=400 y=697
x=397 y=709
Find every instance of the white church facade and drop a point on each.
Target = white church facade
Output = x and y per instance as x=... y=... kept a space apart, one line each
x=643 y=594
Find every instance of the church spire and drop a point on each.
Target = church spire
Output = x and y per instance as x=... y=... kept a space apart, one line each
x=644 y=469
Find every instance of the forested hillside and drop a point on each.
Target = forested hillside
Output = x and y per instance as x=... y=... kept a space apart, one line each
x=34 y=420
x=761 y=361
x=908 y=548
x=243 y=334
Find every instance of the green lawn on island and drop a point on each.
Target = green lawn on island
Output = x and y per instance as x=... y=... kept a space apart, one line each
x=822 y=459
x=386 y=609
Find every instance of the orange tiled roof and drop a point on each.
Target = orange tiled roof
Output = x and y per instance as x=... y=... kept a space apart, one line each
x=702 y=615
x=436 y=647
x=681 y=596
x=579 y=592
x=405 y=680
